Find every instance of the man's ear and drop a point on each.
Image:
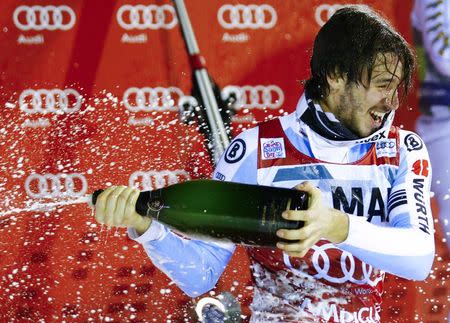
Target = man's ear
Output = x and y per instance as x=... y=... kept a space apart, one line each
x=336 y=81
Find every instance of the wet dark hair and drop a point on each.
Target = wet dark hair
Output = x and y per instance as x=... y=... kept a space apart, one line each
x=349 y=43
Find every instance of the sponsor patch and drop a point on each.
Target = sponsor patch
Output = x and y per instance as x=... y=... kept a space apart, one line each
x=235 y=151
x=272 y=148
x=421 y=206
x=413 y=142
x=219 y=176
x=386 y=148
x=378 y=136
x=420 y=167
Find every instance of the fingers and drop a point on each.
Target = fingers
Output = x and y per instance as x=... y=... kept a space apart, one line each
x=306 y=186
x=117 y=216
x=138 y=222
x=100 y=206
x=111 y=205
x=130 y=215
x=303 y=239
x=294 y=215
x=116 y=206
x=131 y=202
x=314 y=192
x=298 y=249
x=300 y=234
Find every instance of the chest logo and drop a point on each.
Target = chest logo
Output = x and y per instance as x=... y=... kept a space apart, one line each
x=272 y=148
x=386 y=148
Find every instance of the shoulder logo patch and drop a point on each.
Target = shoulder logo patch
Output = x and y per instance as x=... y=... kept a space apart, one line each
x=235 y=151
x=413 y=142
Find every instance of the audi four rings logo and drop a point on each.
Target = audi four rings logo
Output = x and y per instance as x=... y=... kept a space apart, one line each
x=152 y=180
x=147 y=17
x=44 y=17
x=348 y=267
x=325 y=11
x=56 y=185
x=50 y=101
x=151 y=99
x=259 y=96
x=247 y=16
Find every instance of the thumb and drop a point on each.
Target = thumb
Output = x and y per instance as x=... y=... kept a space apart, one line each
x=315 y=194
x=305 y=187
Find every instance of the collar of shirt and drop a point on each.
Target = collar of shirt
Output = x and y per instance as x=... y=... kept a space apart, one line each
x=329 y=130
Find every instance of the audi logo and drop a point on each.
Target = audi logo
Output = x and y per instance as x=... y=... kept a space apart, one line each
x=152 y=99
x=322 y=265
x=147 y=17
x=259 y=96
x=247 y=16
x=44 y=17
x=325 y=11
x=56 y=185
x=50 y=101
x=151 y=180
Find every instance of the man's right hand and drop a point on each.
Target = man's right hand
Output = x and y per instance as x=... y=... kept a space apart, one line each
x=115 y=207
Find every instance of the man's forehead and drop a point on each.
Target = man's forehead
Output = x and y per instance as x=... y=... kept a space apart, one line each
x=387 y=64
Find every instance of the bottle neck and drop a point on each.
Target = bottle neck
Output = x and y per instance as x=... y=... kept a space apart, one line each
x=150 y=203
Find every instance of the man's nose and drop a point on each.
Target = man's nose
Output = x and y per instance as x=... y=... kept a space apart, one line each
x=391 y=100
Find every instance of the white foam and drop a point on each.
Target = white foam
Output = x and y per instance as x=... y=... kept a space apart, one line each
x=40 y=206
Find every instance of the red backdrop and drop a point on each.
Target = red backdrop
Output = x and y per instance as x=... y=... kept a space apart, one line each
x=89 y=98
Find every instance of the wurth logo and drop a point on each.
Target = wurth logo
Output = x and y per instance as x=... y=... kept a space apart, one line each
x=420 y=167
x=421 y=207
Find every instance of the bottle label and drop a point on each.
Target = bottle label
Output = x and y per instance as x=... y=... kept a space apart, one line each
x=155 y=205
x=270 y=214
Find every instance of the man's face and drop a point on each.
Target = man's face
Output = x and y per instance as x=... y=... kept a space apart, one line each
x=362 y=107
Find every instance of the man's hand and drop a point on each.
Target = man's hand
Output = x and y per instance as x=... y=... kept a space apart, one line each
x=115 y=207
x=320 y=222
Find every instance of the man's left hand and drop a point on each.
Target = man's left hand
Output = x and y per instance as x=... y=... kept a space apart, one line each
x=319 y=222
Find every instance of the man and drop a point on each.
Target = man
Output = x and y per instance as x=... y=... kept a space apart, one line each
x=369 y=206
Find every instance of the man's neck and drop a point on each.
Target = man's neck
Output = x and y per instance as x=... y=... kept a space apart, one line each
x=325 y=104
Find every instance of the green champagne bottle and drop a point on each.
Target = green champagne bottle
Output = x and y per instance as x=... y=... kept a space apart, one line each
x=241 y=213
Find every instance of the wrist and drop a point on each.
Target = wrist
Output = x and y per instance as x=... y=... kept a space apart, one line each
x=142 y=225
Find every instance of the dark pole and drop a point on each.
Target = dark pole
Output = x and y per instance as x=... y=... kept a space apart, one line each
x=215 y=127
